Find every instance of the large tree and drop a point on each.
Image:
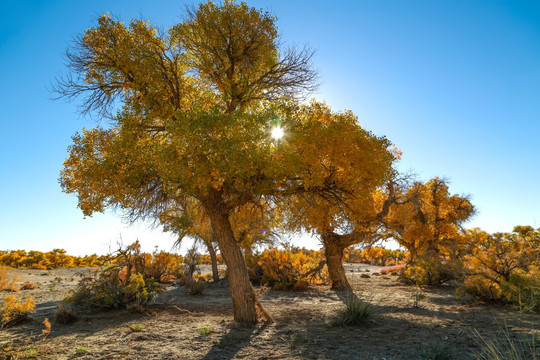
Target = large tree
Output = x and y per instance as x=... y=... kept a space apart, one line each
x=191 y=115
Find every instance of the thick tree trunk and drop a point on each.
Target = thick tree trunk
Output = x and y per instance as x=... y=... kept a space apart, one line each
x=333 y=251
x=245 y=303
x=213 y=259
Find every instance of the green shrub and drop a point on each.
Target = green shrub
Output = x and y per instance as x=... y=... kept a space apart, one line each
x=437 y=350
x=137 y=327
x=126 y=283
x=30 y=353
x=205 y=330
x=355 y=313
x=108 y=289
x=432 y=272
x=81 y=350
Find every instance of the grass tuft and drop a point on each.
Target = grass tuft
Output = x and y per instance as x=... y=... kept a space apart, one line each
x=355 y=313
x=506 y=346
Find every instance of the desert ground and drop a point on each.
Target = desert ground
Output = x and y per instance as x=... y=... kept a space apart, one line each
x=180 y=326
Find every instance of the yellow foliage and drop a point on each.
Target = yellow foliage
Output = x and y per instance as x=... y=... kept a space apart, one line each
x=57 y=258
x=505 y=267
x=7 y=283
x=287 y=269
x=15 y=308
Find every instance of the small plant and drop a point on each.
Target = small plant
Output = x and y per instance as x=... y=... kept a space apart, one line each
x=7 y=283
x=15 y=309
x=47 y=330
x=64 y=315
x=205 y=330
x=29 y=286
x=356 y=313
x=506 y=347
x=418 y=297
x=52 y=287
x=137 y=327
x=225 y=340
x=30 y=352
x=81 y=350
x=437 y=350
x=196 y=287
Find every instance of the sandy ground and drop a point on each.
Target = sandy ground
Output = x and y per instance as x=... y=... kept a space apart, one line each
x=302 y=330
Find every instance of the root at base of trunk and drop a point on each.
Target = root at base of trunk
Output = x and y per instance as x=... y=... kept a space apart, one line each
x=262 y=313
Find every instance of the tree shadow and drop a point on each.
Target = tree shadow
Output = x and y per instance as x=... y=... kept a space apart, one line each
x=235 y=340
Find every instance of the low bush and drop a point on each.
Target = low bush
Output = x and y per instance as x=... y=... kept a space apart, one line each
x=438 y=350
x=127 y=283
x=15 y=309
x=65 y=315
x=505 y=267
x=196 y=287
x=432 y=271
x=355 y=313
x=392 y=269
x=286 y=269
x=7 y=283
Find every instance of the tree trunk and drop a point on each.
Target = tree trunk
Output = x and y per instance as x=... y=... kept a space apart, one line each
x=245 y=303
x=213 y=259
x=333 y=251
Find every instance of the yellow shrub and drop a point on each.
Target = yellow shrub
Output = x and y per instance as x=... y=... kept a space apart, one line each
x=7 y=283
x=505 y=267
x=15 y=308
x=285 y=269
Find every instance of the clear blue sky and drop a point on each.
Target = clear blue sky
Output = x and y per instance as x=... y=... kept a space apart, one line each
x=454 y=84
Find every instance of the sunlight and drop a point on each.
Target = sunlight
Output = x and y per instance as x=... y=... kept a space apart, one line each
x=277 y=133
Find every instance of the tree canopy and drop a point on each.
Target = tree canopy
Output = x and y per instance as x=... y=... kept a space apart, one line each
x=192 y=112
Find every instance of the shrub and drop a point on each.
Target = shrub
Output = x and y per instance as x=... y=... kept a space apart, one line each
x=136 y=327
x=196 y=287
x=437 y=350
x=64 y=315
x=392 y=269
x=7 y=283
x=286 y=269
x=205 y=330
x=15 y=309
x=355 y=313
x=109 y=288
x=432 y=271
x=30 y=353
x=81 y=350
x=29 y=286
x=505 y=267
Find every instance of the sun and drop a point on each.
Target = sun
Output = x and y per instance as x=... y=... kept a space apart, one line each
x=277 y=133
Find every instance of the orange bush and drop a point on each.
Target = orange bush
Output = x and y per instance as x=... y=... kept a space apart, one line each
x=376 y=256
x=505 y=267
x=286 y=269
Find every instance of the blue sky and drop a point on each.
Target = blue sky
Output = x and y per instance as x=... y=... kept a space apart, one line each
x=454 y=84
